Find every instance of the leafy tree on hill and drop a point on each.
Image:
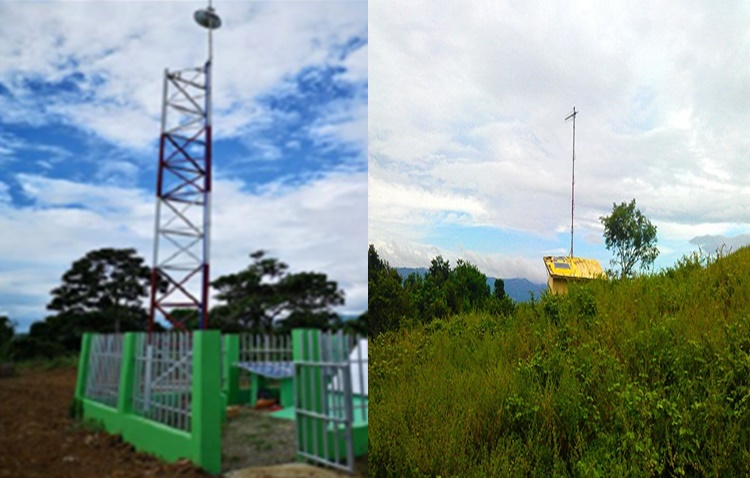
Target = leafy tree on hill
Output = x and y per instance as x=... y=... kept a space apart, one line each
x=501 y=302
x=101 y=292
x=442 y=291
x=108 y=282
x=467 y=288
x=7 y=329
x=310 y=297
x=498 y=290
x=387 y=301
x=434 y=299
x=445 y=290
x=265 y=295
x=359 y=326
x=631 y=236
x=452 y=291
x=440 y=271
x=414 y=287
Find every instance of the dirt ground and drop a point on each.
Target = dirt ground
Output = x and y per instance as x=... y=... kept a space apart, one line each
x=39 y=439
x=253 y=438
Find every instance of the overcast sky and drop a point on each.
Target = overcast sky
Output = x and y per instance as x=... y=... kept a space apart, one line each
x=80 y=105
x=470 y=155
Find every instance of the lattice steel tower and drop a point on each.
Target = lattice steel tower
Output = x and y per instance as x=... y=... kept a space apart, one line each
x=181 y=262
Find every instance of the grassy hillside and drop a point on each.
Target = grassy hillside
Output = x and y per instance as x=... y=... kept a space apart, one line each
x=643 y=377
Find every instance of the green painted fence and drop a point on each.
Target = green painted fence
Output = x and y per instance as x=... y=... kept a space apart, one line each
x=201 y=444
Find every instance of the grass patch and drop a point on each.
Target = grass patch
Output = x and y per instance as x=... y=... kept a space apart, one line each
x=37 y=364
x=641 y=377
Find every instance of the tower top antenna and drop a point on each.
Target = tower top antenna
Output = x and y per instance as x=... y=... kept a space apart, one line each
x=207 y=18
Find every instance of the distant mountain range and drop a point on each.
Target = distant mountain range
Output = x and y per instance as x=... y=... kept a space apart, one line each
x=518 y=289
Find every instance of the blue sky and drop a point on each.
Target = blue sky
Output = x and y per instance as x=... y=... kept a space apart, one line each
x=470 y=154
x=80 y=104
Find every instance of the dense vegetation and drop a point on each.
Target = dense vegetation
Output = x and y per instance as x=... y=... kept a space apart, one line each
x=648 y=376
x=106 y=290
x=394 y=303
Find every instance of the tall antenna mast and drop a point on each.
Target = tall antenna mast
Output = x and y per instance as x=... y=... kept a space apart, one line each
x=181 y=263
x=573 y=183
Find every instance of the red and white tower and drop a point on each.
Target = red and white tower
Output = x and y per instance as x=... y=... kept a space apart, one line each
x=181 y=262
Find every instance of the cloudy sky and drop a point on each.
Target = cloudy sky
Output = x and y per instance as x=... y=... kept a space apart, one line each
x=470 y=154
x=80 y=105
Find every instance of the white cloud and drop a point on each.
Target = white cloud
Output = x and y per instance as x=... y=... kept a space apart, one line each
x=116 y=67
x=114 y=172
x=414 y=254
x=11 y=145
x=467 y=108
x=712 y=243
x=319 y=226
x=345 y=123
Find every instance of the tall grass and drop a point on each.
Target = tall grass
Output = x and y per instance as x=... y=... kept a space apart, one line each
x=43 y=364
x=641 y=377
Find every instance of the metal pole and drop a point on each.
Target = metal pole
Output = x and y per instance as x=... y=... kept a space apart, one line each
x=573 y=186
x=207 y=191
x=573 y=183
x=155 y=263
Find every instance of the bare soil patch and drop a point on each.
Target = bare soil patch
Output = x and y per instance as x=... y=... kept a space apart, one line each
x=39 y=439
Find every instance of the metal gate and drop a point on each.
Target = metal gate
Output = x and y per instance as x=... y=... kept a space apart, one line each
x=326 y=365
x=163 y=379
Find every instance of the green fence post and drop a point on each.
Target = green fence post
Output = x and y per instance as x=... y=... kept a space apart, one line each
x=231 y=372
x=206 y=400
x=83 y=367
x=308 y=382
x=127 y=374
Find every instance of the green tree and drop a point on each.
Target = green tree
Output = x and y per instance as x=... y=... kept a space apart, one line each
x=387 y=301
x=414 y=286
x=631 y=237
x=67 y=328
x=310 y=297
x=467 y=288
x=440 y=271
x=436 y=300
x=7 y=329
x=501 y=302
x=265 y=295
x=107 y=282
x=251 y=299
x=499 y=289
x=359 y=326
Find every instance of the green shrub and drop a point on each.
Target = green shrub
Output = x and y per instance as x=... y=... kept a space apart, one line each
x=642 y=377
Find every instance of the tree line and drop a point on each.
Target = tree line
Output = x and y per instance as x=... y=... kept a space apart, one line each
x=444 y=290
x=105 y=291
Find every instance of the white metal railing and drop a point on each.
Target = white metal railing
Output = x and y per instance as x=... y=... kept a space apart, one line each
x=162 y=388
x=103 y=379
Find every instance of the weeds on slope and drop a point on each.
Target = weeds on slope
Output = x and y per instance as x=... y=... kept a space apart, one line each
x=641 y=377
